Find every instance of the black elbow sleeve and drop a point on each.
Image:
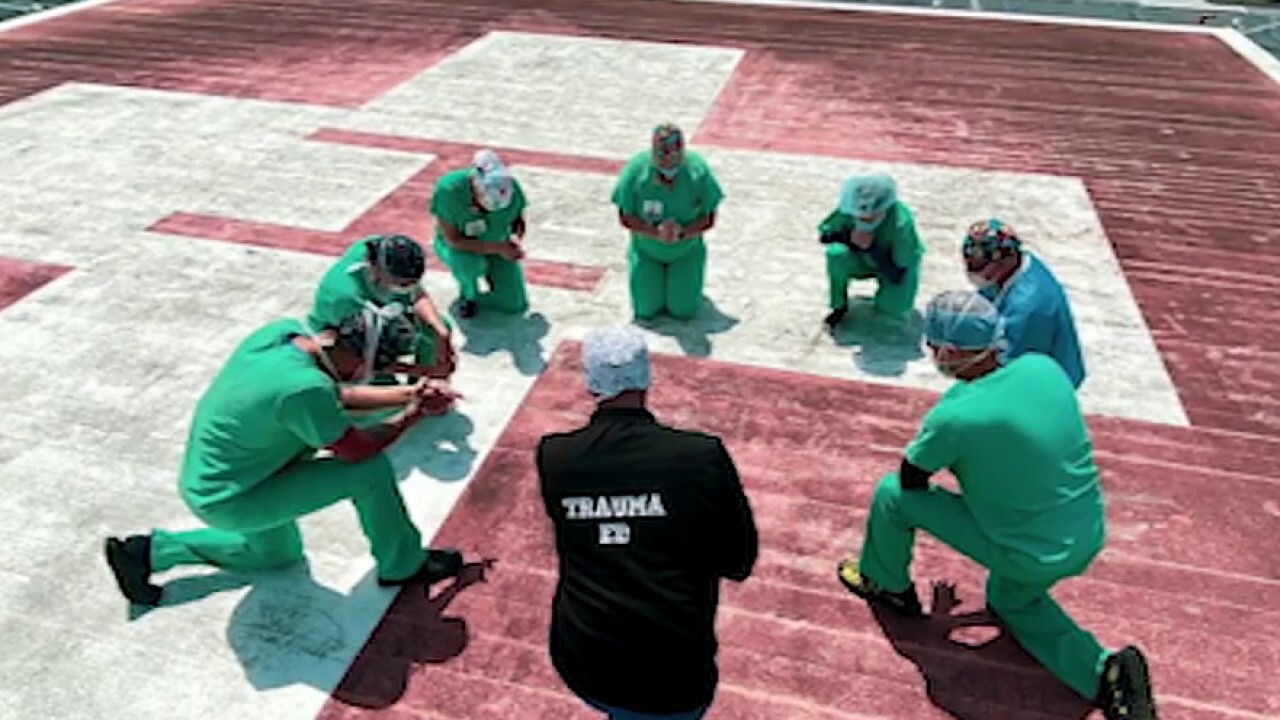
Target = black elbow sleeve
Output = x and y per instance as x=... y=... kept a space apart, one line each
x=912 y=477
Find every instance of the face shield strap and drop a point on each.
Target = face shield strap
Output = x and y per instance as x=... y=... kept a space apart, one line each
x=324 y=352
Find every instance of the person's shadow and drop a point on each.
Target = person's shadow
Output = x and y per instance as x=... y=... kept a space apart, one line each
x=440 y=447
x=414 y=631
x=289 y=629
x=693 y=335
x=884 y=345
x=980 y=680
x=521 y=335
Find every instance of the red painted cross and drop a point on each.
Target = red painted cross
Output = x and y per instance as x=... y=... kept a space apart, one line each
x=19 y=279
x=405 y=207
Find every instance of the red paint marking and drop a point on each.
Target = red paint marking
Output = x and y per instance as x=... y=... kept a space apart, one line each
x=1185 y=564
x=19 y=279
x=403 y=210
x=1159 y=125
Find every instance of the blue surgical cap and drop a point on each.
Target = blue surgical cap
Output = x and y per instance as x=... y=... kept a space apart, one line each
x=616 y=359
x=963 y=320
x=868 y=194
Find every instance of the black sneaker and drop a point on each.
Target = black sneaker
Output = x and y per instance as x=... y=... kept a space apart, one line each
x=467 y=308
x=835 y=316
x=905 y=603
x=439 y=565
x=130 y=562
x=1126 y=687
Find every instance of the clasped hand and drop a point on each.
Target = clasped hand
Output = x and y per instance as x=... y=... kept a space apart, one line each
x=431 y=396
x=669 y=231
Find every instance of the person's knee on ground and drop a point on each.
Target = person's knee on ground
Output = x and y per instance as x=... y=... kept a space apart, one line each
x=647 y=283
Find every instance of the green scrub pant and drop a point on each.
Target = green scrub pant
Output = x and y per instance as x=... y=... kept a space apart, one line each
x=507 y=290
x=667 y=278
x=257 y=529
x=1017 y=590
x=844 y=265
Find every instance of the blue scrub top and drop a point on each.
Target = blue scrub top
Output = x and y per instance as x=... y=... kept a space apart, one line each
x=1038 y=317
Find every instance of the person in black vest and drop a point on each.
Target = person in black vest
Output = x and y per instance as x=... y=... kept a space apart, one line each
x=647 y=520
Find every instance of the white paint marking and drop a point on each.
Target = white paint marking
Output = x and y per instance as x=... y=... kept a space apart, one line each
x=588 y=96
x=958 y=14
x=1255 y=54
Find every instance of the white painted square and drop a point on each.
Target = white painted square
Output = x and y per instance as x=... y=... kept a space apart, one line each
x=91 y=158
x=566 y=94
x=767 y=270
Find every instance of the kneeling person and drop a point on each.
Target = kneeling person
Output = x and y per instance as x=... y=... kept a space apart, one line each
x=1030 y=508
x=667 y=198
x=480 y=231
x=385 y=272
x=648 y=519
x=872 y=235
x=250 y=473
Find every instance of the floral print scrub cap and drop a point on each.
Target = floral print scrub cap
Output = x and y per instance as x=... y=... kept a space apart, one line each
x=989 y=240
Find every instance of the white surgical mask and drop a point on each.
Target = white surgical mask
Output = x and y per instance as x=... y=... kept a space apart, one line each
x=494 y=195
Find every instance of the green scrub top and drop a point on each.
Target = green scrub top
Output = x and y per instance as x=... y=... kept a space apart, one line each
x=347 y=287
x=454 y=203
x=897 y=233
x=269 y=405
x=1018 y=445
x=640 y=192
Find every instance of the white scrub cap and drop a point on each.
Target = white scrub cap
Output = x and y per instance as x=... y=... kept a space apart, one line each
x=868 y=194
x=963 y=320
x=616 y=359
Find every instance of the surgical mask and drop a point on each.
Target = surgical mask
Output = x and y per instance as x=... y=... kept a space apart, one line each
x=493 y=194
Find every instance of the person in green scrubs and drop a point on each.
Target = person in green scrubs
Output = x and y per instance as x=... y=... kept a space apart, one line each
x=480 y=230
x=1030 y=508
x=667 y=197
x=871 y=235
x=252 y=465
x=385 y=272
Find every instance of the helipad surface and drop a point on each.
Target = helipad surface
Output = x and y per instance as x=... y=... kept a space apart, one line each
x=174 y=173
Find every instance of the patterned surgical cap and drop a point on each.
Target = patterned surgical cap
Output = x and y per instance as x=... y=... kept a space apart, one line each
x=989 y=240
x=616 y=359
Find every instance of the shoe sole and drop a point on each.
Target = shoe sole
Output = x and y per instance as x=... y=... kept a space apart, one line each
x=1136 y=679
x=875 y=599
x=113 y=549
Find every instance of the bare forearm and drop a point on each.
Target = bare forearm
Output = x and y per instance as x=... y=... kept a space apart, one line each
x=635 y=224
x=368 y=397
x=458 y=241
x=429 y=314
x=698 y=226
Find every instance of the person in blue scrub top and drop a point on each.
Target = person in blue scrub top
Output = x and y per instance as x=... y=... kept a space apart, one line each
x=1037 y=314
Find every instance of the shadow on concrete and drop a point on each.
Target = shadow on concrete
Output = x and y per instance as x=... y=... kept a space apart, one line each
x=439 y=447
x=977 y=680
x=693 y=335
x=521 y=335
x=884 y=346
x=414 y=632
x=290 y=630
